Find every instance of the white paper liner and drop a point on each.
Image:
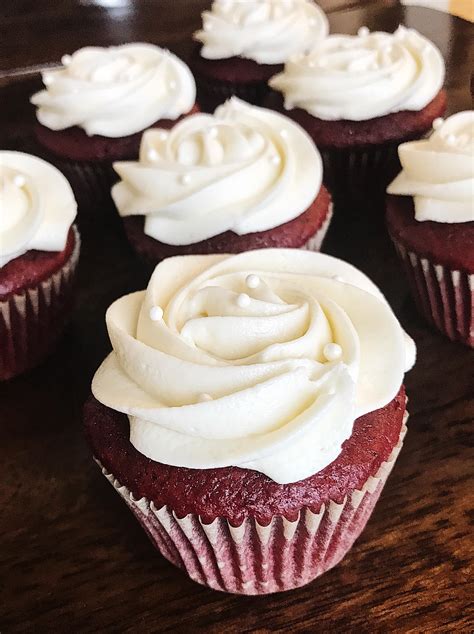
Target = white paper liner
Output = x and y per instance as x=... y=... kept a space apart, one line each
x=33 y=313
x=444 y=296
x=256 y=559
x=316 y=241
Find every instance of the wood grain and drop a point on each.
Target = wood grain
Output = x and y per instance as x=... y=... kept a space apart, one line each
x=72 y=557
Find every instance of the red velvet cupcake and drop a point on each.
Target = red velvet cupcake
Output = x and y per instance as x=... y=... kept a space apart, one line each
x=430 y=218
x=245 y=178
x=250 y=413
x=242 y=44
x=94 y=109
x=38 y=259
x=359 y=97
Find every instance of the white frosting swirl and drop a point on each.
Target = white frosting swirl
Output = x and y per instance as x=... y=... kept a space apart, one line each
x=267 y=31
x=115 y=91
x=439 y=172
x=37 y=206
x=261 y=360
x=364 y=76
x=244 y=169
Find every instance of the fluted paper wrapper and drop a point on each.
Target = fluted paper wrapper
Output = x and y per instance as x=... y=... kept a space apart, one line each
x=256 y=559
x=444 y=296
x=32 y=321
x=213 y=93
x=91 y=182
x=360 y=171
x=315 y=242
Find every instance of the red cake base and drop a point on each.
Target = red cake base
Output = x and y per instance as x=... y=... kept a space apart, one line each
x=293 y=234
x=360 y=157
x=36 y=292
x=236 y=530
x=438 y=259
x=220 y=79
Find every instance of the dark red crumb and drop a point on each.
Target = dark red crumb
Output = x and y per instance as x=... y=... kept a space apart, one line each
x=451 y=245
x=236 y=70
x=236 y=493
x=74 y=144
x=397 y=126
x=292 y=234
x=33 y=267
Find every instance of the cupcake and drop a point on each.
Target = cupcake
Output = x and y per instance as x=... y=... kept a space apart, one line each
x=243 y=178
x=430 y=218
x=250 y=412
x=359 y=97
x=242 y=44
x=94 y=109
x=39 y=251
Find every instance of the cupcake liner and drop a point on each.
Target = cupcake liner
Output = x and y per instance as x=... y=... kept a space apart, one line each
x=91 y=182
x=360 y=171
x=444 y=296
x=316 y=241
x=211 y=93
x=32 y=321
x=254 y=558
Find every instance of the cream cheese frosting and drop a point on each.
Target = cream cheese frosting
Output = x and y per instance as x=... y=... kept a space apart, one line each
x=266 y=31
x=244 y=169
x=261 y=360
x=37 y=206
x=115 y=91
x=365 y=76
x=439 y=171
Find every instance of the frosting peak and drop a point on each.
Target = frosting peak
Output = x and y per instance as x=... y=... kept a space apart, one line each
x=115 y=91
x=37 y=206
x=244 y=169
x=439 y=172
x=364 y=76
x=261 y=360
x=267 y=31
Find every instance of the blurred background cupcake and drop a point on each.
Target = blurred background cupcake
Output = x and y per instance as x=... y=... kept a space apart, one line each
x=243 y=178
x=242 y=44
x=39 y=252
x=359 y=97
x=250 y=412
x=430 y=217
x=94 y=109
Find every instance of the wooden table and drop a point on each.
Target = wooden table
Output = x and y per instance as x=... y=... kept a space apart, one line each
x=72 y=557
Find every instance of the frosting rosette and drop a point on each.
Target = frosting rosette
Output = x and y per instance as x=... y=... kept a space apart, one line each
x=37 y=206
x=244 y=169
x=115 y=91
x=261 y=360
x=439 y=171
x=362 y=77
x=266 y=31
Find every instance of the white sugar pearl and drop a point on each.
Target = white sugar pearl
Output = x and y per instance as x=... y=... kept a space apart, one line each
x=213 y=132
x=152 y=155
x=337 y=278
x=332 y=351
x=156 y=313
x=451 y=139
x=275 y=159
x=313 y=21
x=163 y=135
x=48 y=80
x=66 y=60
x=204 y=398
x=284 y=134
x=243 y=300
x=437 y=123
x=363 y=31
x=19 y=180
x=252 y=281
x=185 y=179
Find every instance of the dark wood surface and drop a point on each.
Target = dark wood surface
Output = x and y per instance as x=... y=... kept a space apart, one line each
x=72 y=557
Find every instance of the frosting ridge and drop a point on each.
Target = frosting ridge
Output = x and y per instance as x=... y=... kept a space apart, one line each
x=265 y=31
x=261 y=360
x=115 y=91
x=37 y=203
x=362 y=77
x=439 y=171
x=244 y=169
